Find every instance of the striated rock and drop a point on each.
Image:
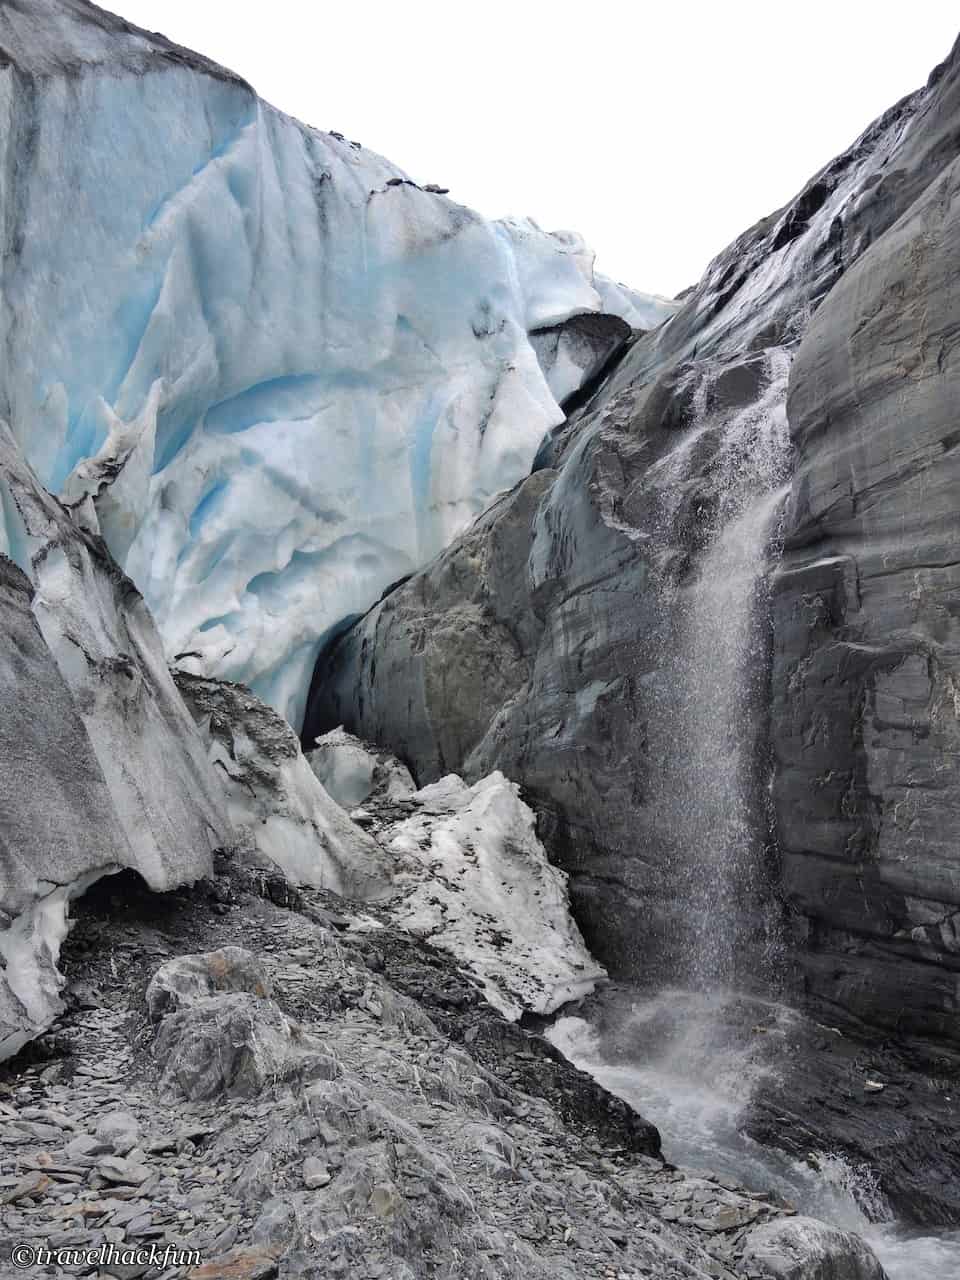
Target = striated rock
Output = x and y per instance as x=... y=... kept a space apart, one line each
x=280 y=810
x=866 y=639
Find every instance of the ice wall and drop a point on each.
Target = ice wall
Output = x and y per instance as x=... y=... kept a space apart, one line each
x=311 y=372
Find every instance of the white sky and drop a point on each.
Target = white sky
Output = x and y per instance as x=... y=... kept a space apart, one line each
x=660 y=130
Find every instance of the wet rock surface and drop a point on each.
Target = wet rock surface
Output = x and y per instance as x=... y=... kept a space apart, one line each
x=887 y=1110
x=887 y=1107
x=804 y=1249
x=867 y=641
x=428 y=1137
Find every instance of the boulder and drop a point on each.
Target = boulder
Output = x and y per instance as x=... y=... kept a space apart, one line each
x=119 y=1130
x=185 y=980
x=805 y=1249
x=234 y=1046
x=220 y=1034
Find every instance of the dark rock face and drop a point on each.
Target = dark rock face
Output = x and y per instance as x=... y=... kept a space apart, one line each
x=882 y=1106
x=545 y=641
x=439 y=657
x=867 y=639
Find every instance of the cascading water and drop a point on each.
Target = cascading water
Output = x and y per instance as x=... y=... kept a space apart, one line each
x=720 y=491
x=690 y=1062
x=691 y=1057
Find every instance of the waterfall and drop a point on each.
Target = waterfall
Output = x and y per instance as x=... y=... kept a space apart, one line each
x=721 y=491
x=691 y=1054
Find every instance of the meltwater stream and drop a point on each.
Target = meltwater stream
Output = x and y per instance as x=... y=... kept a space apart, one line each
x=690 y=1059
x=689 y=1063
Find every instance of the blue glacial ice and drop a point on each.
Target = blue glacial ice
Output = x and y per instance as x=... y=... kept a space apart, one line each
x=272 y=371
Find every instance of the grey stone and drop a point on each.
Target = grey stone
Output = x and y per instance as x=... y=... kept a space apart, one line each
x=236 y=1045
x=315 y=1173
x=118 y=1169
x=238 y=1264
x=140 y=1225
x=118 y=1130
x=33 y=1184
x=186 y=980
x=805 y=1249
x=256 y=1183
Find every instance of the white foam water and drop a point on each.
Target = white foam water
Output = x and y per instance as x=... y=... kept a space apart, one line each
x=690 y=1063
x=721 y=489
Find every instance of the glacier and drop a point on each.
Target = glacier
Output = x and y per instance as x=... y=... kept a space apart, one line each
x=272 y=371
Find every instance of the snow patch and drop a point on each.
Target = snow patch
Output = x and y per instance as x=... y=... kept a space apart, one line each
x=478 y=884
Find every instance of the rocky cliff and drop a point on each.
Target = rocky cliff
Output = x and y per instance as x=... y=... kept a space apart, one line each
x=570 y=637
